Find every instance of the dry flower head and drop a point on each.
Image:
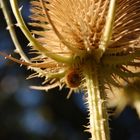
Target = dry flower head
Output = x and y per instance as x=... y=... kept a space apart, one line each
x=70 y=33
x=74 y=32
x=93 y=45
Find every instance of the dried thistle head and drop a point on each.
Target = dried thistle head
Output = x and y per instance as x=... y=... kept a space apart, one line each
x=92 y=45
x=71 y=33
x=127 y=96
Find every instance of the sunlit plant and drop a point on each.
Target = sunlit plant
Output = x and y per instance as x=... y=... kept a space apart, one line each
x=89 y=45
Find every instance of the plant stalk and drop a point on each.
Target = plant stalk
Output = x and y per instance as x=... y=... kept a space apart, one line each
x=11 y=29
x=98 y=117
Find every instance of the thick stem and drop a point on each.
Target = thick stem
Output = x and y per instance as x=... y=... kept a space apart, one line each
x=98 y=118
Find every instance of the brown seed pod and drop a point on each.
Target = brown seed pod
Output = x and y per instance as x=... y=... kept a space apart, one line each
x=73 y=78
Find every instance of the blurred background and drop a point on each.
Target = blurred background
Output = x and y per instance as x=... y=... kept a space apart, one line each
x=27 y=114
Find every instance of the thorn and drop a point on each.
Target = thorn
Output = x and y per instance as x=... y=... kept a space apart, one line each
x=29 y=44
x=20 y=8
x=7 y=28
x=69 y=94
x=17 y=25
x=16 y=51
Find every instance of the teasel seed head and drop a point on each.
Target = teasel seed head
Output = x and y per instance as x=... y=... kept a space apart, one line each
x=93 y=45
x=127 y=96
x=68 y=33
x=82 y=31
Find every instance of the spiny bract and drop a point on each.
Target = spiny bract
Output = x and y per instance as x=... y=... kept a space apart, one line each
x=72 y=32
x=75 y=29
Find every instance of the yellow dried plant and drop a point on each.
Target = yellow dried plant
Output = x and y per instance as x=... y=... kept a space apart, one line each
x=91 y=45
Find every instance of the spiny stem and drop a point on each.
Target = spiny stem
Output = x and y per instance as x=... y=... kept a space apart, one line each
x=12 y=31
x=98 y=118
x=33 y=42
x=108 y=26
